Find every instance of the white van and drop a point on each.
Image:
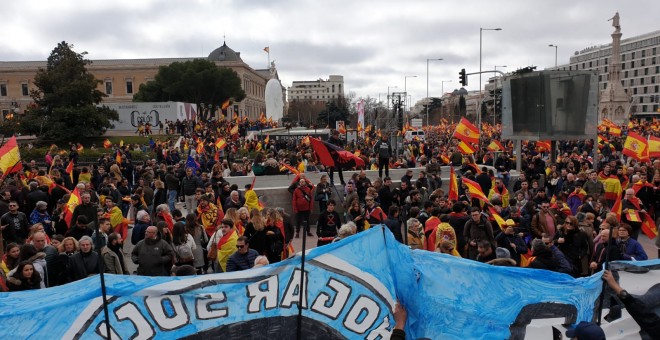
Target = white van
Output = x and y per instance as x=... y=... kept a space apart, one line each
x=410 y=135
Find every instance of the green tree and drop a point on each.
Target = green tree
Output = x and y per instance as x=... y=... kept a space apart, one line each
x=334 y=110
x=66 y=100
x=198 y=81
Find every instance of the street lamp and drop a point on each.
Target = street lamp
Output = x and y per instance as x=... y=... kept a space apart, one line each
x=556 y=47
x=405 y=88
x=427 y=88
x=495 y=95
x=481 y=30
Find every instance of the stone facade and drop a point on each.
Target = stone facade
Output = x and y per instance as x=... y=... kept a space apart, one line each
x=121 y=79
x=319 y=91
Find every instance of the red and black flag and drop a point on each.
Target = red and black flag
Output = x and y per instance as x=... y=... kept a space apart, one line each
x=332 y=155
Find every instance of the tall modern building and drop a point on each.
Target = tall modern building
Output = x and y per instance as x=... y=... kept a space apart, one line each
x=121 y=79
x=639 y=70
x=317 y=91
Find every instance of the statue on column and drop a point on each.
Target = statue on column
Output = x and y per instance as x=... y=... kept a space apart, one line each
x=615 y=21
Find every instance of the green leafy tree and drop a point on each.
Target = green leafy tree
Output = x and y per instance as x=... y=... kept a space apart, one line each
x=66 y=100
x=334 y=110
x=198 y=81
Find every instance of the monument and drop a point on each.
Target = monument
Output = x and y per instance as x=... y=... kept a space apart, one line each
x=274 y=100
x=614 y=100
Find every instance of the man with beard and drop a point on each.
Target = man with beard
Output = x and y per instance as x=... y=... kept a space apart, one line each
x=113 y=259
x=14 y=224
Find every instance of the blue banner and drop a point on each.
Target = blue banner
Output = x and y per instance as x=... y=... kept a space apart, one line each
x=349 y=291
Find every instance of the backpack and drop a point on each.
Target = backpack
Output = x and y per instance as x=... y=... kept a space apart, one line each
x=184 y=254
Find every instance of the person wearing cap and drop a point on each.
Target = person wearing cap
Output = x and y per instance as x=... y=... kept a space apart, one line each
x=503 y=258
x=511 y=241
x=40 y=215
x=586 y=331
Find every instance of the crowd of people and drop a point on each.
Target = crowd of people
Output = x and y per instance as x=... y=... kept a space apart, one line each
x=187 y=217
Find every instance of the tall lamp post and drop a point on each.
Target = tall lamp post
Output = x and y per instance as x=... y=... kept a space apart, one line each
x=495 y=96
x=427 y=88
x=481 y=30
x=556 y=47
x=405 y=89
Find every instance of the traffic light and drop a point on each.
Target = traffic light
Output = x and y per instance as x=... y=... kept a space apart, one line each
x=462 y=77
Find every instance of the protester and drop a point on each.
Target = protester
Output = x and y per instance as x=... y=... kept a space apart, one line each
x=152 y=254
x=243 y=258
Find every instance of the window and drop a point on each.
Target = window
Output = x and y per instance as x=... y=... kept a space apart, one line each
x=5 y=112
x=632 y=55
x=623 y=57
x=641 y=81
x=632 y=64
x=644 y=108
x=625 y=74
x=3 y=90
x=24 y=89
x=643 y=63
x=654 y=51
x=129 y=86
x=646 y=89
x=623 y=66
x=600 y=78
x=606 y=61
x=590 y=64
x=635 y=73
x=653 y=61
x=635 y=91
x=643 y=53
x=632 y=82
x=108 y=87
x=605 y=69
x=646 y=71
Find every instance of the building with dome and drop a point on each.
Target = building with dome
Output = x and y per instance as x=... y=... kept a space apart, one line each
x=121 y=79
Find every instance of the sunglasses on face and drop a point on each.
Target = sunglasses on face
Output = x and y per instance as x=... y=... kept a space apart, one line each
x=240 y=246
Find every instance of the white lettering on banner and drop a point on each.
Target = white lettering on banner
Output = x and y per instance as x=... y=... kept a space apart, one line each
x=269 y=294
x=332 y=308
x=293 y=291
x=383 y=331
x=168 y=311
x=129 y=311
x=362 y=315
x=204 y=306
x=102 y=330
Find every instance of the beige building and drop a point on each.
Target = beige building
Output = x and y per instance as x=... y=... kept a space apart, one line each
x=121 y=79
x=319 y=91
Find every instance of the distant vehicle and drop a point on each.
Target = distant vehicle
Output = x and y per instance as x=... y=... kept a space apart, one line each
x=419 y=134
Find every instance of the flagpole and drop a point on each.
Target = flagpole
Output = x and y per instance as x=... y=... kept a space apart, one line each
x=302 y=289
x=102 y=276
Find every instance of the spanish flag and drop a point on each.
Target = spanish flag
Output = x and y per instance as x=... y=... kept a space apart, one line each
x=262 y=118
x=475 y=190
x=220 y=143
x=107 y=144
x=118 y=157
x=227 y=247
x=453 y=185
x=10 y=158
x=467 y=132
x=234 y=130
x=466 y=148
x=635 y=146
x=500 y=221
x=69 y=170
x=267 y=139
x=495 y=146
x=73 y=202
x=654 y=146
x=543 y=145
x=226 y=104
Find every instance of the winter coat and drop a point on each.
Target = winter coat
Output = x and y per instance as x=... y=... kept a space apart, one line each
x=302 y=199
x=477 y=231
x=153 y=257
x=83 y=265
x=111 y=262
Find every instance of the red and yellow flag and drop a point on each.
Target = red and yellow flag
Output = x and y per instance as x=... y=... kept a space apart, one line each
x=453 y=185
x=543 y=145
x=467 y=132
x=635 y=146
x=500 y=221
x=495 y=146
x=73 y=202
x=220 y=143
x=69 y=170
x=225 y=105
x=107 y=144
x=234 y=130
x=475 y=190
x=118 y=157
x=466 y=148
x=654 y=146
x=267 y=139
x=10 y=157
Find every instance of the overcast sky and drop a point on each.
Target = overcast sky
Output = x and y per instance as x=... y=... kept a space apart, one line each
x=373 y=44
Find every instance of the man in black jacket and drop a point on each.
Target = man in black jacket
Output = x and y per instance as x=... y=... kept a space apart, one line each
x=244 y=256
x=384 y=151
x=188 y=186
x=328 y=224
x=85 y=208
x=14 y=224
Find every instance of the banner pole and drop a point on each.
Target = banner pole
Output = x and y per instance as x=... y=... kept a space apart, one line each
x=606 y=266
x=302 y=281
x=102 y=276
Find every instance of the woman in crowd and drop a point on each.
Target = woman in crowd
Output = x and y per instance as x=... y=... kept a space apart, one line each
x=25 y=278
x=66 y=249
x=183 y=245
x=201 y=240
x=575 y=245
x=243 y=220
x=275 y=240
x=255 y=232
x=38 y=259
x=10 y=259
x=356 y=214
x=323 y=193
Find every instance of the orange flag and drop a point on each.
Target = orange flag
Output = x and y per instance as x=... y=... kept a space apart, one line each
x=73 y=202
x=453 y=185
x=107 y=144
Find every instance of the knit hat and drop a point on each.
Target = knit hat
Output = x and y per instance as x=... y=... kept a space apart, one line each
x=502 y=253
